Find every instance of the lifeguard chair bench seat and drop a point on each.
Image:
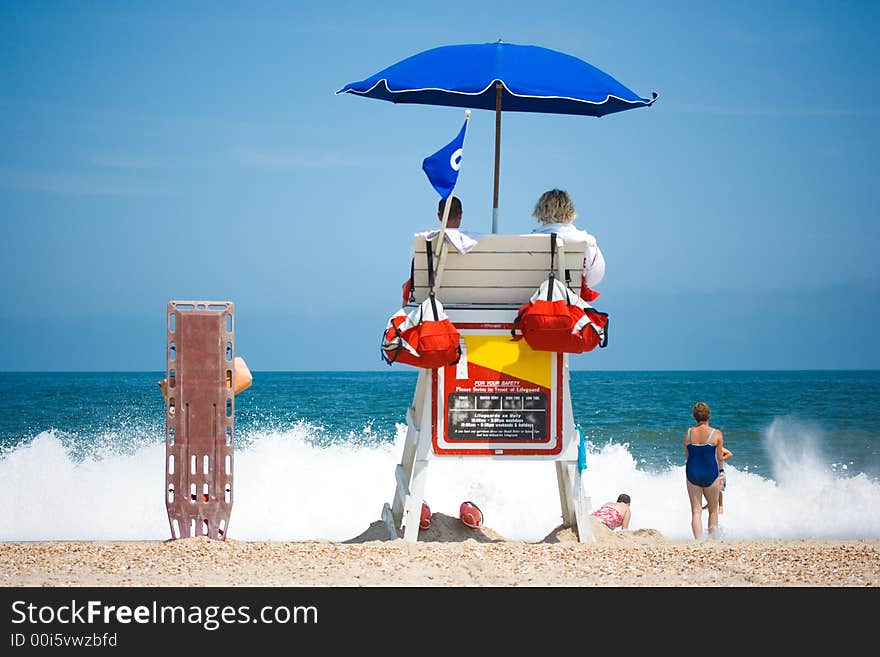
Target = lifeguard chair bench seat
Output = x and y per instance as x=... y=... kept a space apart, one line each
x=501 y=271
x=200 y=417
x=485 y=288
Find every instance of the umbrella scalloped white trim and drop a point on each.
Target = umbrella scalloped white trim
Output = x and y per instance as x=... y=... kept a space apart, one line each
x=479 y=93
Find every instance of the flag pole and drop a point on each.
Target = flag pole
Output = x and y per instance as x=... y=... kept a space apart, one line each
x=446 y=206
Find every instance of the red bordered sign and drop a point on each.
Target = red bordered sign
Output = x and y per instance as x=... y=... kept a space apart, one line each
x=501 y=399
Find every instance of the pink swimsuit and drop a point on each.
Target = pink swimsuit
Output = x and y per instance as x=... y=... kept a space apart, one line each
x=609 y=516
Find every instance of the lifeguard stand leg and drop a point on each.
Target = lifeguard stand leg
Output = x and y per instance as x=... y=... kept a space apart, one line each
x=573 y=496
x=582 y=509
x=200 y=417
x=392 y=514
x=574 y=500
x=566 y=492
x=411 y=472
x=413 y=509
x=403 y=472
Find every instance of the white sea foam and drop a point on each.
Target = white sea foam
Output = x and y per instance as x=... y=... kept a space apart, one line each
x=288 y=489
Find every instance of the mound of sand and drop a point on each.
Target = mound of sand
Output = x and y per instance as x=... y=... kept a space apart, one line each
x=377 y=531
x=605 y=536
x=443 y=529
x=446 y=529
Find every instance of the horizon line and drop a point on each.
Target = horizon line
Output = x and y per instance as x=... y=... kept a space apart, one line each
x=415 y=371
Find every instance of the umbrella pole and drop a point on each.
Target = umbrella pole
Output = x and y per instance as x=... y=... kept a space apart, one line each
x=497 y=155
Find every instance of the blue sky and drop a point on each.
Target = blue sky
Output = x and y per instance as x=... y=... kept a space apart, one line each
x=182 y=150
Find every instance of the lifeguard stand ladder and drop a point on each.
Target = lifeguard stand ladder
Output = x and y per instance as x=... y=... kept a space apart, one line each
x=199 y=417
x=502 y=400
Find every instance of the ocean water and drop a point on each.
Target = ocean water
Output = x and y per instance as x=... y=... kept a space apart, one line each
x=82 y=455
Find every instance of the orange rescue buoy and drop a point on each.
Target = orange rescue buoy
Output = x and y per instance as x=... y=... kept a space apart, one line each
x=470 y=515
x=425 y=520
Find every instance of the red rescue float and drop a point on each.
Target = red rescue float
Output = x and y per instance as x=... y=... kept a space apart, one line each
x=470 y=515
x=425 y=520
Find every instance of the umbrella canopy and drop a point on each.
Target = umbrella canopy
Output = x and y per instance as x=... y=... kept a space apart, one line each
x=532 y=79
x=496 y=76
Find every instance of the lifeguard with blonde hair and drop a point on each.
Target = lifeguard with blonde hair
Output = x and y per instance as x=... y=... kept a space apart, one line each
x=556 y=213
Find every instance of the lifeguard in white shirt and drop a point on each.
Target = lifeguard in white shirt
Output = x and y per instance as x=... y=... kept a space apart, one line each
x=556 y=214
x=461 y=240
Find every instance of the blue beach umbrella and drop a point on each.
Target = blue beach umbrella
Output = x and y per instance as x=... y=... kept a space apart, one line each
x=496 y=76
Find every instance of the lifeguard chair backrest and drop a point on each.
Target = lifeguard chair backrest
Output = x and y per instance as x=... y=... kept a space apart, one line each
x=501 y=270
x=200 y=417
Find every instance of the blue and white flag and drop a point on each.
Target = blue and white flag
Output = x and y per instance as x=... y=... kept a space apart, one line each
x=442 y=167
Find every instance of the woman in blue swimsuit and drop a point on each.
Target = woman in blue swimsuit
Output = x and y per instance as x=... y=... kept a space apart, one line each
x=703 y=446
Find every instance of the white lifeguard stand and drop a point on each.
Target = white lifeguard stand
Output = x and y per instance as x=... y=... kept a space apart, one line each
x=502 y=400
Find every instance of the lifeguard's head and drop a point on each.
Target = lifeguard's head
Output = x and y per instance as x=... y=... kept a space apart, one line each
x=454 y=220
x=701 y=412
x=555 y=207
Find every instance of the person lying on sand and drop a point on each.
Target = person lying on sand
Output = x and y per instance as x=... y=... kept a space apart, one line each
x=614 y=514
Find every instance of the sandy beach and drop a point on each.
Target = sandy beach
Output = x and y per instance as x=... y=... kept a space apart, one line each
x=447 y=554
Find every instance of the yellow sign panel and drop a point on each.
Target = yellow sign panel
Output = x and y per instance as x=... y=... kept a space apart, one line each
x=511 y=357
x=500 y=399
